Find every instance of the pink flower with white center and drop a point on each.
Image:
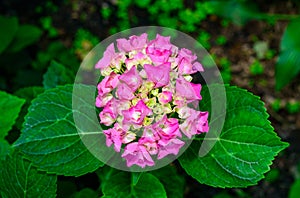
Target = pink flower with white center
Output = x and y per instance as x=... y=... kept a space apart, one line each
x=118 y=60
x=113 y=137
x=150 y=144
x=108 y=84
x=139 y=58
x=186 y=64
x=185 y=112
x=108 y=115
x=101 y=101
x=158 y=56
x=122 y=105
x=164 y=97
x=151 y=133
x=160 y=75
x=108 y=55
x=146 y=85
x=167 y=147
x=188 y=90
x=160 y=49
x=137 y=154
x=124 y=92
x=167 y=128
x=132 y=79
x=134 y=43
x=195 y=124
x=125 y=135
x=136 y=114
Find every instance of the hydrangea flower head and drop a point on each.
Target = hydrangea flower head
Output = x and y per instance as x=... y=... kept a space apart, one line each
x=147 y=98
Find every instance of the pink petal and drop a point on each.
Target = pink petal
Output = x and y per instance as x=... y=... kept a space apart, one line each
x=159 y=75
x=188 y=90
x=136 y=114
x=169 y=147
x=124 y=92
x=107 y=57
x=165 y=97
x=123 y=45
x=138 y=42
x=131 y=78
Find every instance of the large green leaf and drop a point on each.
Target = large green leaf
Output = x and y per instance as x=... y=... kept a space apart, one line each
x=295 y=189
x=5 y=149
x=57 y=74
x=243 y=151
x=122 y=184
x=8 y=29
x=288 y=63
x=20 y=179
x=49 y=137
x=172 y=181
x=287 y=67
x=28 y=93
x=25 y=35
x=10 y=107
x=290 y=38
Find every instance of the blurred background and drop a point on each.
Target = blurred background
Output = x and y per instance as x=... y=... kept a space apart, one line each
x=255 y=44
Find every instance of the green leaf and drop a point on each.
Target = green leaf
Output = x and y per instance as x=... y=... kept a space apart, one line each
x=295 y=189
x=5 y=149
x=172 y=181
x=49 y=137
x=287 y=67
x=290 y=38
x=245 y=148
x=19 y=178
x=120 y=185
x=288 y=63
x=8 y=28
x=57 y=74
x=28 y=93
x=25 y=36
x=10 y=107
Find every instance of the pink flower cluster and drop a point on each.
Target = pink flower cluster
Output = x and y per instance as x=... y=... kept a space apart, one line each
x=147 y=98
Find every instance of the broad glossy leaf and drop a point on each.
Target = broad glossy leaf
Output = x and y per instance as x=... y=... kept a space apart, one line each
x=172 y=181
x=121 y=185
x=25 y=35
x=287 y=67
x=245 y=148
x=290 y=39
x=19 y=178
x=288 y=63
x=8 y=28
x=49 y=137
x=28 y=93
x=5 y=149
x=57 y=74
x=10 y=107
x=295 y=189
